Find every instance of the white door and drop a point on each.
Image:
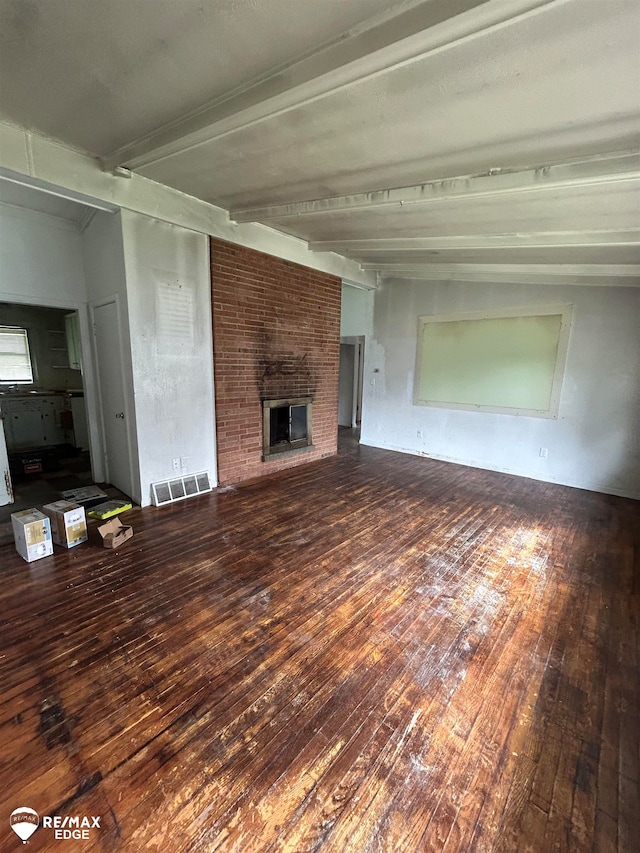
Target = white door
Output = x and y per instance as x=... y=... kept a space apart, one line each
x=109 y=365
x=6 y=491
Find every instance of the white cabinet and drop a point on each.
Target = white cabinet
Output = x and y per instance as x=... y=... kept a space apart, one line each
x=57 y=345
x=23 y=423
x=52 y=430
x=80 y=427
x=33 y=421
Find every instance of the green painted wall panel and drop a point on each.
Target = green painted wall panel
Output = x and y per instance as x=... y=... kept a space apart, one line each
x=505 y=362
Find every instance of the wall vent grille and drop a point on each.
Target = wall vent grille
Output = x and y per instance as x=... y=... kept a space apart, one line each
x=180 y=488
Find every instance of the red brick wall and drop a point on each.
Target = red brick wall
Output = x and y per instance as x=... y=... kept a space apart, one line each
x=276 y=334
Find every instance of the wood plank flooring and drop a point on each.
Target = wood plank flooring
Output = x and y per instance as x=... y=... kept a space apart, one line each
x=372 y=653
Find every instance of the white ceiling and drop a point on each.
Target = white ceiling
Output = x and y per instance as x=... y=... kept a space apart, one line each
x=504 y=129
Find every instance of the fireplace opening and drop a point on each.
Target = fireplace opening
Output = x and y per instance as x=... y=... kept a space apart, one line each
x=286 y=425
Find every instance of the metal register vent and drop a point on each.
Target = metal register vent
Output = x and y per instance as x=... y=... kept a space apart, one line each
x=180 y=488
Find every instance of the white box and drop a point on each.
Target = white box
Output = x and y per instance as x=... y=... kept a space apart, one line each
x=32 y=534
x=68 y=523
x=89 y=495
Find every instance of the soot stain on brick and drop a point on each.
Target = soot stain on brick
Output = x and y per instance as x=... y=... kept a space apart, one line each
x=283 y=374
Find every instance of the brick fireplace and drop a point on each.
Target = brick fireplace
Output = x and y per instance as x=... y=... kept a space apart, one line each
x=276 y=333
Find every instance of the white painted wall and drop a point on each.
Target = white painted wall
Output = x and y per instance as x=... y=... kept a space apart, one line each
x=105 y=275
x=594 y=443
x=356 y=316
x=169 y=400
x=173 y=385
x=40 y=259
x=41 y=162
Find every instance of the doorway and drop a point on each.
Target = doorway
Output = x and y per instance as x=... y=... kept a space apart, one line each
x=62 y=265
x=44 y=442
x=350 y=381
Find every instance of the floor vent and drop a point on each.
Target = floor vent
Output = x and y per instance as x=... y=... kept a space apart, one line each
x=180 y=488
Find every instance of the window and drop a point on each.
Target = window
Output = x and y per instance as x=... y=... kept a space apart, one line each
x=15 y=359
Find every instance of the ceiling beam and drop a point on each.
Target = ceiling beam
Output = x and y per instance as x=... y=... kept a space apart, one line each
x=542 y=269
x=623 y=167
x=620 y=275
x=57 y=191
x=378 y=45
x=541 y=240
x=522 y=278
x=358 y=284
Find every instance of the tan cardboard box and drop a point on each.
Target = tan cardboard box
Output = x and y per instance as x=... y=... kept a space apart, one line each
x=68 y=523
x=32 y=534
x=114 y=533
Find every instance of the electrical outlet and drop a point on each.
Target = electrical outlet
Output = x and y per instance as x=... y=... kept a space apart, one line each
x=184 y=462
x=176 y=463
x=543 y=452
x=419 y=433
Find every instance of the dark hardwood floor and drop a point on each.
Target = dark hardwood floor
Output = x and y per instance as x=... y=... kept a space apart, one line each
x=373 y=653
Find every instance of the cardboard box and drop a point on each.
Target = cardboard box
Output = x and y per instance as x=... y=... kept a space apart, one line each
x=32 y=534
x=114 y=533
x=68 y=523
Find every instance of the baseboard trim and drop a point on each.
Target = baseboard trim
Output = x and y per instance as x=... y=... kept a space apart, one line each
x=602 y=488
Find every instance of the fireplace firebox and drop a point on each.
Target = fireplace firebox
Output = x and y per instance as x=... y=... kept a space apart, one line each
x=286 y=426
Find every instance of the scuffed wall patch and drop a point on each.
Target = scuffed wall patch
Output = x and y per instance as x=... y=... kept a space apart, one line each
x=175 y=315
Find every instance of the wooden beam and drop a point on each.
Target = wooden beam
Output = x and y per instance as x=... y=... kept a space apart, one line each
x=623 y=167
x=541 y=240
x=380 y=44
x=596 y=275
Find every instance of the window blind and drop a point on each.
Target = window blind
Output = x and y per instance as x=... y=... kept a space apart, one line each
x=15 y=360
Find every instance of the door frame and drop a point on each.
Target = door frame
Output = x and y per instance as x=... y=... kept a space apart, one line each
x=6 y=486
x=347 y=383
